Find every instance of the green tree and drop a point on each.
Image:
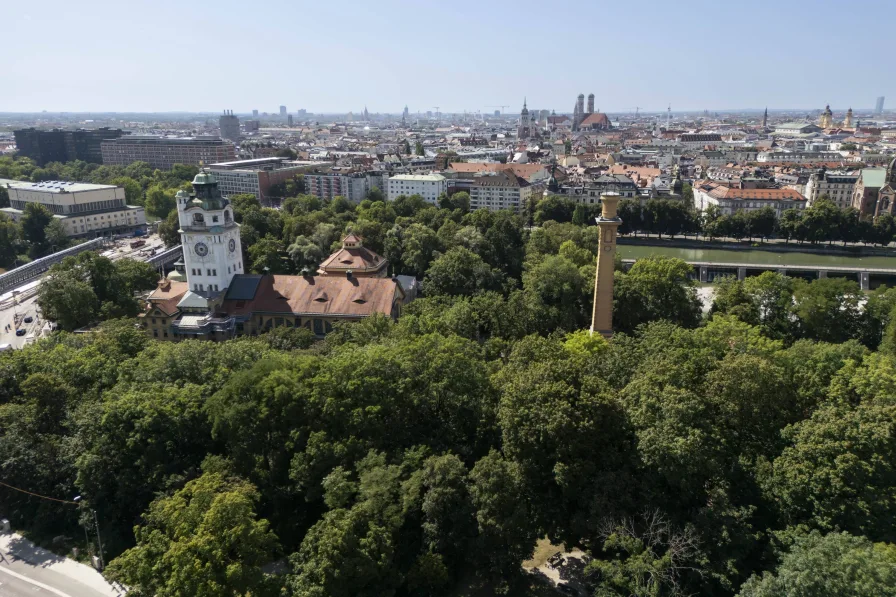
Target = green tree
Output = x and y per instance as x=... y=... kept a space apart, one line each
x=159 y=201
x=57 y=237
x=35 y=219
x=655 y=288
x=64 y=297
x=203 y=540
x=418 y=149
x=133 y=192
x=834 y=565
x=828 y=309
x=556 y=208
x=168 y=229
x=267 y=256
x=460 y=272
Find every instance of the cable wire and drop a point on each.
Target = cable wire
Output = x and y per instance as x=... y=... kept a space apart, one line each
x=39 y=495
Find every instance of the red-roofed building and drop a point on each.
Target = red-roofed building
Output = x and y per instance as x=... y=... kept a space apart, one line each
x=354 y=257
x=731 y=200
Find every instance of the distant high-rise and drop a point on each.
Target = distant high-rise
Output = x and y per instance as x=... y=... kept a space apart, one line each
x=282 y=110
x=879 y=106
x=230 y=126
x=254 y=113
x=405 y=113
x=289 y=120
x=591 y=103
x=63 y=146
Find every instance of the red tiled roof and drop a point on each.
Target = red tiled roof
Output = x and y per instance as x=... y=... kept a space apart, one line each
x=166 y=296
x=723 y=192
x=598 y=118
x=319 y=295
x=358 y=259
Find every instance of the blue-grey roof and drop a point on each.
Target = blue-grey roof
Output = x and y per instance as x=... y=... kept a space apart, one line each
x=243 y=287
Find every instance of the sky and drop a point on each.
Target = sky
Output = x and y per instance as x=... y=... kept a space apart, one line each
x=329 y=57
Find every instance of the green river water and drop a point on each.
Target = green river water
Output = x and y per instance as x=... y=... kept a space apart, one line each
x=757 y=257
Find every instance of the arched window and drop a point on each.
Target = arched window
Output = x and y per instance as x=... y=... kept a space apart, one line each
x=227 y=217
x=198 y=219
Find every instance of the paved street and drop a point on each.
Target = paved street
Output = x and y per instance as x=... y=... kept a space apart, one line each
x=26 y=569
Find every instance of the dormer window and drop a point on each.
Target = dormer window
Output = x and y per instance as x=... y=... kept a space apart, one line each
x=214 y=219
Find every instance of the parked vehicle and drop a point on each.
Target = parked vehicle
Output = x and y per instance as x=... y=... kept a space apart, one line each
x=136 y=244
x=21 y=332
x=4 y=347
x=28 y=319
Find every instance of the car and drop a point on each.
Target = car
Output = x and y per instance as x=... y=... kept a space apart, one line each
x=28 y=319
x=21 y=332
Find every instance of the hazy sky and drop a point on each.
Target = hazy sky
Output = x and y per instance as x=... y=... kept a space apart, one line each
x=326 y=56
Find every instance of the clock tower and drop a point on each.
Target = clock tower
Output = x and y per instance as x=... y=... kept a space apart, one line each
x=210 y=237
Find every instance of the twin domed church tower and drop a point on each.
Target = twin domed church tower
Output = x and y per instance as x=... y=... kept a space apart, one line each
x=210 y=237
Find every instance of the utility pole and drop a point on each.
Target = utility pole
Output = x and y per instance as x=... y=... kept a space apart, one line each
x=99 y=541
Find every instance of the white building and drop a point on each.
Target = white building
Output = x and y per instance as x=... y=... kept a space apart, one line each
x=501 y=190
x=211 y=239
x=85 y=210
x=799 y=157
x=428 y=186
x=835 y=186
x=732 y=200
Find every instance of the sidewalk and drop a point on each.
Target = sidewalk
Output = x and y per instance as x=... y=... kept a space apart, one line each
x=21 y=559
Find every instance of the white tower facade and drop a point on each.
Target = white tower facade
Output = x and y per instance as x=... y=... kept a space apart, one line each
x=210 y=236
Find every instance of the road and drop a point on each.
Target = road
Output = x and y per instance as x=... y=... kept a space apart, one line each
x=27 y=570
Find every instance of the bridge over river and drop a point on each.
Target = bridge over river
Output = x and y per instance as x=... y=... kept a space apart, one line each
x=709 y=264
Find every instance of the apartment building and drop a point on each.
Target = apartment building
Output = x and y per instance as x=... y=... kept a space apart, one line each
x=799 y=157
x=352 y=185
x=165 y=152
x=500 y=190
x=85 y=210
x=838 y=187
x=428 y=186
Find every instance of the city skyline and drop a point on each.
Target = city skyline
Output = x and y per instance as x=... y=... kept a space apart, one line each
x=678 y=54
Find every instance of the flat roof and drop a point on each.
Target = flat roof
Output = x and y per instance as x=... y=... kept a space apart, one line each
x=60 y=186
x=419 y=177
x=252 y=162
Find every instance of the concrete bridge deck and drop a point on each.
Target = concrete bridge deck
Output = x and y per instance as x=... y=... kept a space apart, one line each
x=867 y=277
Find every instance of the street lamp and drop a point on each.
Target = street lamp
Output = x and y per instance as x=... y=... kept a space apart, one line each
x=77 y=499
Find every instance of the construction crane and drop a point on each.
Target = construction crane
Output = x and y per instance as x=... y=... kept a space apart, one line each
x=502 y=108
x=637 y=108
x=438 y=114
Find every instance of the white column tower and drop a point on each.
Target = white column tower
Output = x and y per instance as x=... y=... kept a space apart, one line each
x=210 y=237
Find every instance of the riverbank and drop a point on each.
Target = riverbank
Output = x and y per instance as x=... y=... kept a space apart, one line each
x=773 y=245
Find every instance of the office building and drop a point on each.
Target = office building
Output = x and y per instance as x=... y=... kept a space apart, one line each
x=282 y=110
x=879 y=106
x=255 y=177
x=164 y=152
x=254 y=113
x=230 y=126
x=289 y=120
x=352 y=185
x=251 y=126
x=428 y=186
x=85 y=210
x=63 y=146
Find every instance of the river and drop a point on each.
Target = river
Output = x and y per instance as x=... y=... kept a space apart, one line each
x=757 y=257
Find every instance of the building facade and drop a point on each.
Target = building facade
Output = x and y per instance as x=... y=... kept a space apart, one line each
x=428 y=186
x=229 y=125
x=255 y=177
x=866 y=191
x=165 y=152
x=63 y=146
x=500 y=190
x=85 y=210
x=837 y=187
x=352 y=185
x=799 y=157
x=732 y=200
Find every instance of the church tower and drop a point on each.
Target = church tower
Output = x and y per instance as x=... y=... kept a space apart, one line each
x=847 y=122
x=765 y=119
x=827 y=118
x=523 y=132
x=608 y=222
x=210 y=237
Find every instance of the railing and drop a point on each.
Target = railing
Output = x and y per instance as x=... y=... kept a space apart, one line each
x=166 y=257
x=25 y=273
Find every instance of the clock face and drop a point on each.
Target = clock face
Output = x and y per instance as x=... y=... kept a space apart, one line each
x=201 y=249
x=232 y=245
